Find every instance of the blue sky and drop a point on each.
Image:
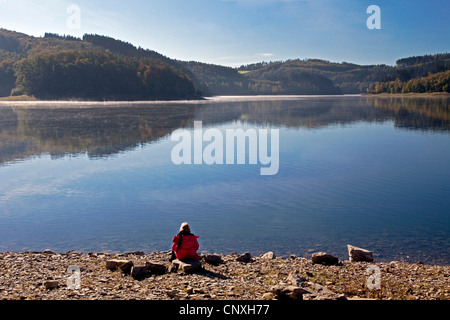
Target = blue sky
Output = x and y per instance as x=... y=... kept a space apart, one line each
x=236 y=32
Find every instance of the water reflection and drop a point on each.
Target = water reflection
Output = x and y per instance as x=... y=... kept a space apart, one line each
x=368 y=185
x=105 y=130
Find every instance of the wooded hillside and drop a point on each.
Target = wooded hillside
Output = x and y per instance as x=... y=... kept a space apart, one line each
x=100 y=67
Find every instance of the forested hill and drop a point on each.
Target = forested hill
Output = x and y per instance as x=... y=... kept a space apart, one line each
x=92 y=68
x=313 y=76
x=228 y=81
x=419 y=74
x=98 y=67
x=347 y=77
x=429 y=73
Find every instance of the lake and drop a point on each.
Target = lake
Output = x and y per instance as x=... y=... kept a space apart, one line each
x=368 y=171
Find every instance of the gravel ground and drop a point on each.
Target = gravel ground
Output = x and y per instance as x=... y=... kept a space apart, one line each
x=43 y=276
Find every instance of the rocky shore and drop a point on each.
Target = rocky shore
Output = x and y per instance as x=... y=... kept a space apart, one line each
x=138 y=276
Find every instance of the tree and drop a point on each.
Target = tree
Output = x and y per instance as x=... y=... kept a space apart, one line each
x=7 y=77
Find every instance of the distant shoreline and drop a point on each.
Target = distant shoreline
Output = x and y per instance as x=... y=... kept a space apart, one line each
x=207 y=99
x=24 y=98
x=409 y=94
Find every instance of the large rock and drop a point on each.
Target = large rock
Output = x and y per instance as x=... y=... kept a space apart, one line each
x=359 y=254
x=186 y=266
x=213 y=259
x=319 y=292
x=324 y=258
x=123 y=265
x=314 y=292
x=51 y=284
x=290 y=292
x=246 y=257
x=155 y=268
x=268 y=256
x=138 y=272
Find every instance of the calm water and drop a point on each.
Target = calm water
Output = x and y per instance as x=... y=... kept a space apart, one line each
x=372 y=172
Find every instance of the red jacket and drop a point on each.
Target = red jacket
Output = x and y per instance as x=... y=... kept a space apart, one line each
x=188 y=248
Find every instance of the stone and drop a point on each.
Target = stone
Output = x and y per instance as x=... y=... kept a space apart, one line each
x=290 y=292
x=322 y=293
x=321 y=289
x=359 y=254
x=172 y=293
x=213 y=259
x=155 y=268
x=51 y=284
x=48 y=251
x=123 y=265
x=186 y=266
x=246 y=257
x=268 y=256
x=324 y=258
x=267 y=296
x=73 y=253
x=294 y=279
x=297 y=291
x=173 y=267
x=189 y=290
x=138 y=272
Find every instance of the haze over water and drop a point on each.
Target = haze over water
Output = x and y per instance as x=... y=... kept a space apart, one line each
x=368 y=171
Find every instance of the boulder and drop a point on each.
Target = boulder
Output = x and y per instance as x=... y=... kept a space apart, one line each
x=123 y=265
x=319 y=292
x=268 y=256
x=213 y=259
x=324 y=258
x=186 y=266
x=246 y=257
x=138 y=272
x=290 y=292
x=155 y=268
x=51 y=284
x=319 y=289
x=268 y=296
x=359 y=254
x=313 y=292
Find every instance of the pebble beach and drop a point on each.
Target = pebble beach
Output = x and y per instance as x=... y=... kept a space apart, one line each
x=44 y=276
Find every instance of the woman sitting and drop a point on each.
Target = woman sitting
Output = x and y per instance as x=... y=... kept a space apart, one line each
x=185 y=244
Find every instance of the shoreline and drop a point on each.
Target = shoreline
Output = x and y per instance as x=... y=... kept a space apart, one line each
x=43 y=276
x=206 y=99
x=409 y=94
